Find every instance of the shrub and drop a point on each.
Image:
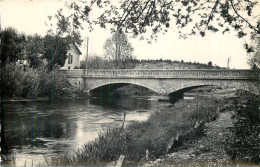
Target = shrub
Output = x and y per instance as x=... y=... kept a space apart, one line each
x=30 y=84
x=245 y=145
x=10 y=80
x=52 y=83
x=17 y=82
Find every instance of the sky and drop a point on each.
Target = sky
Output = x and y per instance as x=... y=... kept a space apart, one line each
x=30 y=17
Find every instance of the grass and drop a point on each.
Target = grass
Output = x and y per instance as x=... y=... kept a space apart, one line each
x=132 y=141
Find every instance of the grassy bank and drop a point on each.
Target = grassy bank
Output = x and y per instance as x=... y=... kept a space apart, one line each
x=231 y=140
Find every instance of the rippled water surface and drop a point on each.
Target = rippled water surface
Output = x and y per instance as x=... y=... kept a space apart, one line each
x=33 y=130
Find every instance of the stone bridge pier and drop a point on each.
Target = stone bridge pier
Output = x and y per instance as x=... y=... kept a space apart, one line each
x=163 y=82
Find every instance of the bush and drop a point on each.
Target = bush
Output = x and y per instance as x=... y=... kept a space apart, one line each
x=20 y=82
x=17 y=82
x=52 y=83
x=30 y=84
x=245 y=145
x=10 y=80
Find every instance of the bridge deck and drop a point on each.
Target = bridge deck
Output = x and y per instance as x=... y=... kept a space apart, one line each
x=165 y=73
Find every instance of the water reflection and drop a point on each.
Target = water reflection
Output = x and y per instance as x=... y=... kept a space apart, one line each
x=32 y=130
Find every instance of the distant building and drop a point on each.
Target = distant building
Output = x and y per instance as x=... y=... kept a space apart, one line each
x=73 y=57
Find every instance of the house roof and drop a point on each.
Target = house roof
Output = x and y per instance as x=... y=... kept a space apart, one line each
x=77 y=49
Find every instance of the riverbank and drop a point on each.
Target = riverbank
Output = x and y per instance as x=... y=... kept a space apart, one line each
x=203 y=130
x=230 y=140
x=76 y=94
x=24 y=99
x=209 y=150
x=170 y=132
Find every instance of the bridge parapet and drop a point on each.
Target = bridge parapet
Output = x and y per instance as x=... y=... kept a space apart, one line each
x=76 y=72
x=196 y=74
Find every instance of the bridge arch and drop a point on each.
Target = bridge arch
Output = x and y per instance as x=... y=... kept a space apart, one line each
x=166 y=87
x=113 y=85
x=247 y=86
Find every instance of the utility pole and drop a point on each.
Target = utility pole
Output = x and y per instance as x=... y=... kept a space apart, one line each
x=85 y=87
x=86 y=59
x=228 y=61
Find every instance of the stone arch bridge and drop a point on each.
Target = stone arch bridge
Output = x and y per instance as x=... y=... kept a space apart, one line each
x=162 y=81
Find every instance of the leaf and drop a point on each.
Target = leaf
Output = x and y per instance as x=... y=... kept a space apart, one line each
x=236 y=26
x=202 y=33
x=226 y=30
x=212 y=29
x=241 y=34
x=185 y=2
x=87 y=10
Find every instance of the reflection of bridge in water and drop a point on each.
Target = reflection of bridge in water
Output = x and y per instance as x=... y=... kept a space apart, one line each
x=162 y=81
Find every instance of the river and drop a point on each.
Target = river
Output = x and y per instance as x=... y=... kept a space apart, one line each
x=37 y=129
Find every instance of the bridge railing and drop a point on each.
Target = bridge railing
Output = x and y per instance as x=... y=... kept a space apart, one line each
x=150 y=73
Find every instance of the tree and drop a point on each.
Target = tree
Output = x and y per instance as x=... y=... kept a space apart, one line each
x=57 y=41
x=55 y=50
x=136 y=16
x=95 y=62
x=254 y=59
x=34 y=48
x=66 y=26
x=188 y=17
x=12 y=45
x=210 y=63
x=118 y=49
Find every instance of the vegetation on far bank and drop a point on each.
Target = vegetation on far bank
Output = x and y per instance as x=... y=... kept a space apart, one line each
x=30 y=63
x=23 y=82
x=97 y=62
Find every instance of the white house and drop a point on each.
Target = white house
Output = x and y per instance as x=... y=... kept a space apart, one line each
x=73 y=57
